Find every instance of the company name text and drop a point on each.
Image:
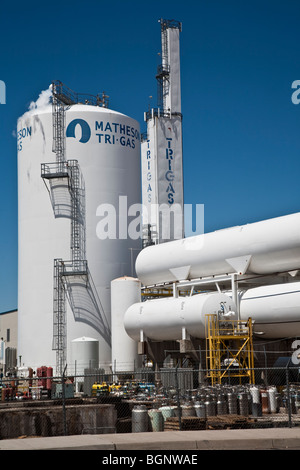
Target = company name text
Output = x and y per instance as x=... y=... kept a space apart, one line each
x=116 y=133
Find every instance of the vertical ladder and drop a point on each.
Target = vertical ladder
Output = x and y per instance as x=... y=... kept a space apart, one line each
x=59 y=317
x=59 y=294
x=163 y=70
x=165 y=64
x=58 y=123
x=78 y=251
x=67 y=271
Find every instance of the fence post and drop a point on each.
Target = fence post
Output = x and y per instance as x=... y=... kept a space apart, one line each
x=288 y=394
x=178 y=398
x=64 y=401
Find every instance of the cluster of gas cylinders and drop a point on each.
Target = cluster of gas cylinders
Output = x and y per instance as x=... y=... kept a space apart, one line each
x=243 y=400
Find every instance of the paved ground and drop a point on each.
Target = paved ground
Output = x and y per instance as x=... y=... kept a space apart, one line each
x=247 y=439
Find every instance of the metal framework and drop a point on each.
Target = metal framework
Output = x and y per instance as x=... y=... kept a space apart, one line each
x=77 y=191
x=59 y=317
x=160 y=113
x=231 y=355
x=64 y=96
x=70 y=172
x=163 y=70
x=73 y=272
x=229 y=349
x=149 y=235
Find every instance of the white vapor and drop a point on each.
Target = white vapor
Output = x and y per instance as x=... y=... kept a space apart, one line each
x=42 y=101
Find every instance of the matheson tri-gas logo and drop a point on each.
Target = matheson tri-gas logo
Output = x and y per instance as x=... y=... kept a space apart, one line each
x=85 y=130
x=105 y=132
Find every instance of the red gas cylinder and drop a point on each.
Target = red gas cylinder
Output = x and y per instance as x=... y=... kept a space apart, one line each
x=49 y=378
x=41 y=372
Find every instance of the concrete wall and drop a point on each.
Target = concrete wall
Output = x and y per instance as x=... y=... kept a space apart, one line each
x=48 y=420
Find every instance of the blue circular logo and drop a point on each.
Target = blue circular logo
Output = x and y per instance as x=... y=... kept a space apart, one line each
x=85 y=130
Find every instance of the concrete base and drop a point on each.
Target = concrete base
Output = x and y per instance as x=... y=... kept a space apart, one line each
x=248 y=439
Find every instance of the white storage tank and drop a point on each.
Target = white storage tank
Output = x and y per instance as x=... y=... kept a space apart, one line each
x=265 y=247
x=275 y=310
x=172 y=318
x=106 y=145
x=125 y=291
x=84 y=355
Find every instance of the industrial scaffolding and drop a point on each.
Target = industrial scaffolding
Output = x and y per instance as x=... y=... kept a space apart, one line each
x=72 y=275
x=163 y=70
x=229 y=349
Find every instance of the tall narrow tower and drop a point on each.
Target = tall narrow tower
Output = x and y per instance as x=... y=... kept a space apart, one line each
x=162 y=173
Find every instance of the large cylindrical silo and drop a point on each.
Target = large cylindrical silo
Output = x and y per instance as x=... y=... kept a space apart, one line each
x=106 y=145
x=125 y=291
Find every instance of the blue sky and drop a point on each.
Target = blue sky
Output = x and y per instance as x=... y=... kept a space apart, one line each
x=241 y=131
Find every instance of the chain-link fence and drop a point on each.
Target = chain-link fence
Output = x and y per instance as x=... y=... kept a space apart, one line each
x=148 y=400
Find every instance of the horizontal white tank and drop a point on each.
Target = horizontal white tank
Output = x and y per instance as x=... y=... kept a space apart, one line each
x=265 y=247
x=275 y=310
x=172 y=318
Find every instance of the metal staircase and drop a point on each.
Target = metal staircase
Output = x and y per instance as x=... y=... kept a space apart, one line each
x=72 y=279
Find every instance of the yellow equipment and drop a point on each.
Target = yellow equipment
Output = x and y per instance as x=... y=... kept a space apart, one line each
x=100 y=389
x=229 y=349
x=114 y=387
x=104 y=388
